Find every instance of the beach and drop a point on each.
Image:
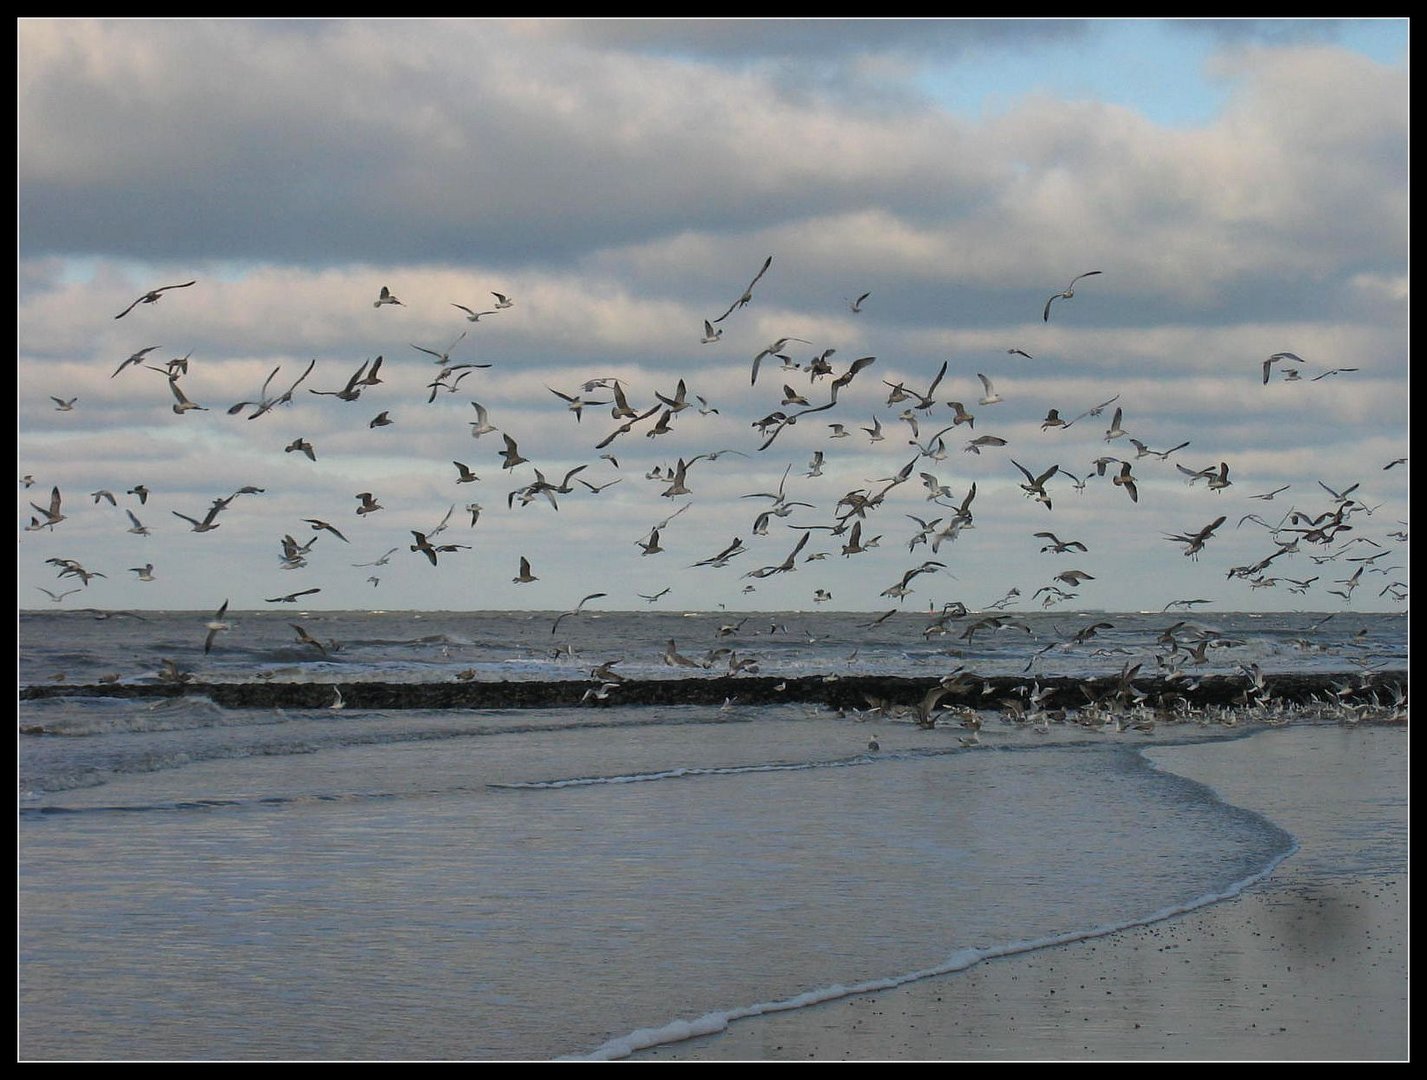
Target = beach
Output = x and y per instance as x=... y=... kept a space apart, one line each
x=210 y=875
x=1309 y=963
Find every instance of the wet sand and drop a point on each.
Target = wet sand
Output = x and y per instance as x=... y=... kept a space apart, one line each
x=1309 y=963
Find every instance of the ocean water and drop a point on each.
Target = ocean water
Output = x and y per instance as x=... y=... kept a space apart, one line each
x=205 y=883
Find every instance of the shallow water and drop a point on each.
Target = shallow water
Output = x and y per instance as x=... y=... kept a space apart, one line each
x=196 y=882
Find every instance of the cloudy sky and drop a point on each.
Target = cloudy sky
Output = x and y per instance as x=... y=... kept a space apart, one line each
x=1241 y=188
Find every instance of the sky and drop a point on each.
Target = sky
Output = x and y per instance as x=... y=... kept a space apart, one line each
x=1234 y=189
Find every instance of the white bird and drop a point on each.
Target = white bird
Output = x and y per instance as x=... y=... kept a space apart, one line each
x=710 y=334
x=856 y=305
x=502 y=301
x=62 y=405
x=772 y=350
x=1115 y=431
x=444 y=358
x=481 y=425
x=472 y=316
x=525 y=576
x=137 y=527
x=145 y=572
x=1067 y=294
x=386 y=298
x=990 y=397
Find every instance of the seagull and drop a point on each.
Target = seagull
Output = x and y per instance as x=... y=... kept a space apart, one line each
x=319 y=526
x=304 y=638
x=153 y=297
x=266 y=404
x=208 y=524
x=1034 y=487
x=1058 y=545
x=369 y=504
x=747 y=296
x=525 y=576
x=291 y=598
x=214 y=626
x=975 y=445
x=61 y=405
x=1126 y=481
x=386 y=298
x=1195 y=541
x=137 y=358
x=422 y=545
x=1115 y=431
x=466 y=476
x=511 y=455
x=1141 y=450
x=991 y=397
x=145 y=572
x=302 y=445
x=56 y=597
x=502 y=301
x=481 y=425
x=444 y=358
x=53 y=516
x=655 y=596
x=722 y=558
x=1268 y=364
x=1067 y=294
x=382 y=419
x=772 y=350
x=576 y=404
x=353 y=389
x=181 y=403
x=710 y=334
x=472 y=316
x=1019 y=352
x=137 y=527
x=962 y=416
x=856 y=305
x=576 y=609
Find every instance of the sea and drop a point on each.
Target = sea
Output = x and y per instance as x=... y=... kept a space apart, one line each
x=205 y=883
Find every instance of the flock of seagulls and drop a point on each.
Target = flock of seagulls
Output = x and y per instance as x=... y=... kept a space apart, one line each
x=812 y=385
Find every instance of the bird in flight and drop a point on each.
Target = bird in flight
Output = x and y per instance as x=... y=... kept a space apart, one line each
x=137 y=358
x=152 y=297
x=214 y=626
x=291 y=598
x=1275 y=358
x=386 y=298
x=747 y=296
x=576 y=609
x=1067 y=294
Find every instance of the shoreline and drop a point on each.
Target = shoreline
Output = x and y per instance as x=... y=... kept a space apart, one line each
x=1311 y=962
